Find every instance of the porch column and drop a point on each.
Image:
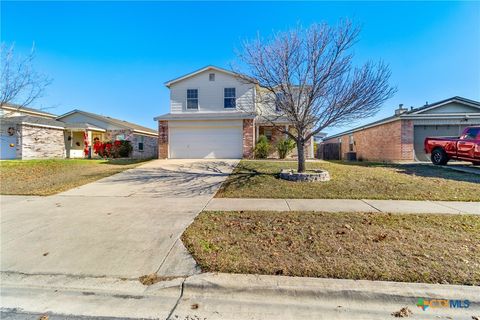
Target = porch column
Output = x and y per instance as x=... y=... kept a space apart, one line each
x=90 y=138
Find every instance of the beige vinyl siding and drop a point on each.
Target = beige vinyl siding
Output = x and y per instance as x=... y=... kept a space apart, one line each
x=210 y=93
x=452 y=107
x=83 y=118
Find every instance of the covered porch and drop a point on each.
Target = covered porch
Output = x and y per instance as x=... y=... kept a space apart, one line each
x=80 y=139
x=275 y=132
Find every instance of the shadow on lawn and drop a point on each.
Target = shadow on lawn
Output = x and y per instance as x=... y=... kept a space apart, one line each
x=243 y=175
x=420 y=170
x=124 y=161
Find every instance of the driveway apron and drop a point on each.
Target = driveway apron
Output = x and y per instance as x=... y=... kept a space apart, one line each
x=126 y=225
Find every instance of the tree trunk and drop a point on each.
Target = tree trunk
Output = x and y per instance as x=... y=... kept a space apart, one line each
x=301 y=155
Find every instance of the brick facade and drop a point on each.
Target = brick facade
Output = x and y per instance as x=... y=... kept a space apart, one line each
x=150 y=143
x=150 y=146
x=248 y=138
x=40 y=142
x=391 y=141
x=408 y=152
x=162 y=139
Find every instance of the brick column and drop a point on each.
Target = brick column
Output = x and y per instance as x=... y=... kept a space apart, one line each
x=162 y=139
x=248 y=138
x=407 y=140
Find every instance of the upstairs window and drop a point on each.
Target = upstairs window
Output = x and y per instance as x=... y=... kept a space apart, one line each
x=211 y=77
x=279 y=97
x=192 y=99
x=229 y=98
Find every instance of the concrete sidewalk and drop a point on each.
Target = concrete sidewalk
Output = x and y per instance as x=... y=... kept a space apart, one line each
x=227 y=296
x=344 y=205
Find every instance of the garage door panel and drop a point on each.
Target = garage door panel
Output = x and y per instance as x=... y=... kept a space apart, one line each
x=206 y=141
x=423 y=131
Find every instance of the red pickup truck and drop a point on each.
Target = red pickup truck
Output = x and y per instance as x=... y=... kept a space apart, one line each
x=466 y=147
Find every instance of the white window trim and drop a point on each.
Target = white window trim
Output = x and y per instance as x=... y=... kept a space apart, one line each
x=198 y=99
x=235 y=97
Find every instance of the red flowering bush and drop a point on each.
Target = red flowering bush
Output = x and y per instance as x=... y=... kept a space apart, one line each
x=115 y=149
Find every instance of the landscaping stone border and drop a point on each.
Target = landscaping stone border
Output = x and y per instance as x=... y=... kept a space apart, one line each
x=309 y=176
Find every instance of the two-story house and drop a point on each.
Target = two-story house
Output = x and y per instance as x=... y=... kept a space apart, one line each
x=214 y=114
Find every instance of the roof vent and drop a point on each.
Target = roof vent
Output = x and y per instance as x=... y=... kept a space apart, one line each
x=400 y=110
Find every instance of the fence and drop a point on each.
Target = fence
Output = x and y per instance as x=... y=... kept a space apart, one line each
x=329 y=151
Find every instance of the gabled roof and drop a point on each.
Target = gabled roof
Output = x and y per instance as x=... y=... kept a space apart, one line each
x=461 y=100
x=117 y=122
x=415 y=113
x=191 y=74
x=35 y=121
x=37 y=112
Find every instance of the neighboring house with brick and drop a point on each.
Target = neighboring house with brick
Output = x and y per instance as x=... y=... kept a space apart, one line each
x=144 y=140
x=33 y=134
x=213 y=114
x=400 y=137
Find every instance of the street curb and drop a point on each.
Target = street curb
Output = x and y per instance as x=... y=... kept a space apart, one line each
x=265 y=285
x=229 y=296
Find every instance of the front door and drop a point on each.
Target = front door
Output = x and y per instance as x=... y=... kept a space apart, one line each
x=8 y=148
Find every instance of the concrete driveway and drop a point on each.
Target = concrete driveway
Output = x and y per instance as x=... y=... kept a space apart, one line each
x=126 y=225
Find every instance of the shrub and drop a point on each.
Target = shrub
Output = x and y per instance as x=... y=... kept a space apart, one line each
x=262 y=148
x=284 y=147
x=124 y=149
x=115 y=149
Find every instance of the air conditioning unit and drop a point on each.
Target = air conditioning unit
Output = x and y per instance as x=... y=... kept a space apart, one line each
x=350 y=156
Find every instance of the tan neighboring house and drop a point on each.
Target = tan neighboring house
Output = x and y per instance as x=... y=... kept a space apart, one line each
x=213 y=114
x=28 y=133
x=401 y=136
x=144 y=140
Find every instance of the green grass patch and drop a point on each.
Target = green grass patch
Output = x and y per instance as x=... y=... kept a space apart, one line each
x=373 y=246
x=359 y=180
x=46 y=177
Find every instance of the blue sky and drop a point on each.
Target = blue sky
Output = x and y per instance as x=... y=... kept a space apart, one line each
x=114 y=57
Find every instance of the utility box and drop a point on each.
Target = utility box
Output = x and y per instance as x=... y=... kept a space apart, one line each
x=350 y=156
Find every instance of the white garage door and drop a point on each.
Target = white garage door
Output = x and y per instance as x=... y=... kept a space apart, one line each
x=421 y=132
x=206 y=139
x=7 y=147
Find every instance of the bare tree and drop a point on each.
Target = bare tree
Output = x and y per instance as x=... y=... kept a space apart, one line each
x=307 y=77
x=20 y=84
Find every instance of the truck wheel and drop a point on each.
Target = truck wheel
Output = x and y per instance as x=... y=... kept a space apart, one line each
x=439 y=157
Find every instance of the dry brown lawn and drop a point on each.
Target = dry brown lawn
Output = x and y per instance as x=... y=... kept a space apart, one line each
x=46 y=177
x=356 y=180
x=393 y=247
